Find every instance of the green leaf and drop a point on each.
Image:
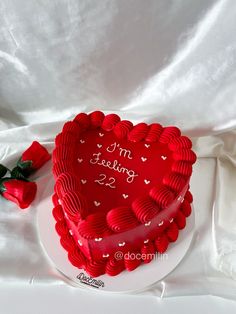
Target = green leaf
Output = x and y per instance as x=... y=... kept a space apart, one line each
x=3 y=170
x=2 y=187
x=18 y=173
x=24 y=164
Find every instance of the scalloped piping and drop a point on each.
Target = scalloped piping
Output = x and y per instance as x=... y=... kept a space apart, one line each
x=110 y=265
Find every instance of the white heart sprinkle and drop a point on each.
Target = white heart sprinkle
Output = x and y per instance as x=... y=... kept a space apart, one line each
x=147 y=145
x=163 y=157
x=80 y=243
x=161 y=223
x=147 y=224
x=98 y=239
x=121 y=244
x=101 y=134
x=99 y=145
x=80 y=160
x=146 y=181
x=143 y=159
x=105 y=255
x=83 y=181
x=97 y=203
x=82 y=141
x=125 y=196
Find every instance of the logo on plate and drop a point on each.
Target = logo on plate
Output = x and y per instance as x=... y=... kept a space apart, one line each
x=90 y=281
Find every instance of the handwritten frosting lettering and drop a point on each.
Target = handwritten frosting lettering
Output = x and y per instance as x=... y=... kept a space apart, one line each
x=113 y=165
x=122 y=151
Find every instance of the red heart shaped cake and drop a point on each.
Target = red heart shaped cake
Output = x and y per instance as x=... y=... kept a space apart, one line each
x=119 y=188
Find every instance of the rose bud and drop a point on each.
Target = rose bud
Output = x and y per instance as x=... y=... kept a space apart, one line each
x=33 y=158
x=20 y=192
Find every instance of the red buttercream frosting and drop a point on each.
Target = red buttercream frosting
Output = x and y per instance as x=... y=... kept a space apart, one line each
x=186 y=208
x=65 y=138
x=72 y=127
x=66 y=182
x=180 y=220
x=163 y=196
x=154 y=132
x=148 y=252
x=61 y=228
x=68 y=242
x=172 y=232
x=162 y=243
x=145 y=208
x=122 y=129
x=180 y=142
x=96 y=268
x=132 y=261
x=169 y=134
x=110 y=122
x=96 y=119
x=83 y=120
x=175 y=181
x=93 y=226
x=121 y=219
x=182 y=167
x=58 y=213
x=114 y=266
x=76 y=258
x=75 y=205
x=138 y=132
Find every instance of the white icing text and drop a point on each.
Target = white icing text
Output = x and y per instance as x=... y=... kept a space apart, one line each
x=122 y=151
x=113 y=165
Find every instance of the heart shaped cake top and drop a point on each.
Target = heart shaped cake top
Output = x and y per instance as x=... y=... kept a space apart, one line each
x=112 y=177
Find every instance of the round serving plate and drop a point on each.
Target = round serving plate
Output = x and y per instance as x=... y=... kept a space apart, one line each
x=139 y=279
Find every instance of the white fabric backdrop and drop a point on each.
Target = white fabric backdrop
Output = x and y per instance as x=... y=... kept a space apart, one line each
x=171 y=61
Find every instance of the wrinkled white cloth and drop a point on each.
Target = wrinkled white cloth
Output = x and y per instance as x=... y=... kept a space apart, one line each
x=166 y=61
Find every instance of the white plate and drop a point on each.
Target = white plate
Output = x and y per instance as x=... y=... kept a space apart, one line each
x=144 y=276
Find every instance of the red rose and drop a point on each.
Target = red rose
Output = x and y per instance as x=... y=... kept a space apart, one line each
x=34 y=157
x=20 y=192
